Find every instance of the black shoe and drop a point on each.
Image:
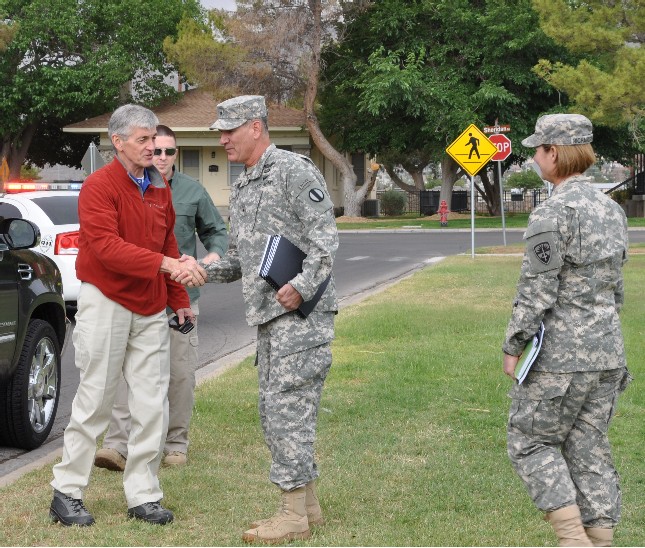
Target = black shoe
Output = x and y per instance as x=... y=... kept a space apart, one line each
x=152 y=512
x=69 y=511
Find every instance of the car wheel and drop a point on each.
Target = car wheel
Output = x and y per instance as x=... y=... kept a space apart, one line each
x=29 y=399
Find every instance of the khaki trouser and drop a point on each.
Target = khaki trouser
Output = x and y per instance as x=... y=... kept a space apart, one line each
x=293 y=360
x=111 y=341
x=558 y=444
x=181 y=396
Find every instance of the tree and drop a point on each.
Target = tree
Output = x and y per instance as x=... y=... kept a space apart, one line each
x=210 y=55
x=607 y=82
x=271 y=48
x=410 y=76
x=524 y=179
x=64 y=60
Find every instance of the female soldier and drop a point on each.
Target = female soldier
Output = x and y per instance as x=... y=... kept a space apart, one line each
x=571 y=279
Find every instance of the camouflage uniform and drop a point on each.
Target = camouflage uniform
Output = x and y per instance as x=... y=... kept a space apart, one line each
x=284 y=193
x=571 y=278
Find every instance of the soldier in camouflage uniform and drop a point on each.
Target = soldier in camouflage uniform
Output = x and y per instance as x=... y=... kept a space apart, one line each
x=283 y=193
x=571 y=279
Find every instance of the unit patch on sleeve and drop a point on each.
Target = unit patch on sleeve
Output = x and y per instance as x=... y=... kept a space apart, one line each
x=543 y=252
x=315 y=195
x=541 y=246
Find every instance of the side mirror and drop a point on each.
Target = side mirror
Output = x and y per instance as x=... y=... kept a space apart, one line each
x=19 y=233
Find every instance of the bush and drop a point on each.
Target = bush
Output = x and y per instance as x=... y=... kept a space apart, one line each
x=29 y=172
x=524 y=179
x=621 y=196
x=393 y=203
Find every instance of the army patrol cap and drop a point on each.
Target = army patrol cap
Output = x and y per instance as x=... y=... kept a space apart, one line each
x=234 y=112
x=560 y=129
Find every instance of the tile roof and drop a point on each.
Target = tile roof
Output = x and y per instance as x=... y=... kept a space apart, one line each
x=196 y=110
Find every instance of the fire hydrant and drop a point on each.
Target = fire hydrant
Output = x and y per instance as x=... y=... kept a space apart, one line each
x=443 y=213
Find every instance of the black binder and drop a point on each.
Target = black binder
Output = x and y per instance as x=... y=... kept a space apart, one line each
x=281 y=263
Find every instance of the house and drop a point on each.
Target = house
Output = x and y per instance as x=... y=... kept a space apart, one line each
x=202 y=157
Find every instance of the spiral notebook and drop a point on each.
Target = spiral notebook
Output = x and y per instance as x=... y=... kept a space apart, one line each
x=529 y=355
x=281 y=263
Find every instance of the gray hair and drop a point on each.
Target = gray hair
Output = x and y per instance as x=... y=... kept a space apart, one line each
x=127 y=117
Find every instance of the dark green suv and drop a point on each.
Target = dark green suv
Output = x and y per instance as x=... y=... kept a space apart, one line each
x=33 y=333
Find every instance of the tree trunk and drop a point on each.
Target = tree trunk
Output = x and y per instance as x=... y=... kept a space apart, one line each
x=397 y=180
x=450 y=173
x=496 y=202
x=352 y=198
x=16 y=154
x=417 y=177
x=490 y=191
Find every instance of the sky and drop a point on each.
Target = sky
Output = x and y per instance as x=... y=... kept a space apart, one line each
x=226 y=4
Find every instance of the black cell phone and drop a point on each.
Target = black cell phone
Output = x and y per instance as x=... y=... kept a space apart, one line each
x=184 y=328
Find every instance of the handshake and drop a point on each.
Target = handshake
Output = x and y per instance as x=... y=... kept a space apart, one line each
x=186 y=270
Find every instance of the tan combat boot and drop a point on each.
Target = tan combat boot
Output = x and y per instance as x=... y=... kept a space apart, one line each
x=110 y=459
x=314 y=511
x=175 y=458
x=568 y=526
x=599 y=536
x=290 y=522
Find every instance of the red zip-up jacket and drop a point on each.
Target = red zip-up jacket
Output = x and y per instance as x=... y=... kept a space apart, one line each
x=124 y=237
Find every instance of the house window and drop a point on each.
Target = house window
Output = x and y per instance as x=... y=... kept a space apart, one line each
x=190 y=162
x=234 y=171
x=358 y=163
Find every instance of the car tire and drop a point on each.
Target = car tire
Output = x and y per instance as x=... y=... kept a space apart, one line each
x=29 y=399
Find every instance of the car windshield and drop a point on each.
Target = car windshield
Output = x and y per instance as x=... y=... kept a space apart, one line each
x=62 y=210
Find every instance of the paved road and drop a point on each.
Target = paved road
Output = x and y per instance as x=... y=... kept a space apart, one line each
x=366 y=261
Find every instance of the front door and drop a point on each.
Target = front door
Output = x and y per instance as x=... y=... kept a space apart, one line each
x=8 y=307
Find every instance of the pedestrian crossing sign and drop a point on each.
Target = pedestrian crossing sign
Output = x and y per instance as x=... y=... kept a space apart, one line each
x=472 y=150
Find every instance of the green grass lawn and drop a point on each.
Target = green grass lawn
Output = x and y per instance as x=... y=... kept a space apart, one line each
x=411 y=445
x=512 y=220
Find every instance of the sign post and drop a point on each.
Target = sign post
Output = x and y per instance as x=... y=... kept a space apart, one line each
x=92 y=160
x=504 y=149
x=472 y=150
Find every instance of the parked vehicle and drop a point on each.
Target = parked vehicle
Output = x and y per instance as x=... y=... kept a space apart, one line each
x=54 y=208
x=33 y=335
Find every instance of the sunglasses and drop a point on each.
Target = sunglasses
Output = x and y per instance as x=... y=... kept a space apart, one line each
x=168 y=151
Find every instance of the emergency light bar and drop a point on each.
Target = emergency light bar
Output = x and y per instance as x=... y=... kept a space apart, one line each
x=13 y=187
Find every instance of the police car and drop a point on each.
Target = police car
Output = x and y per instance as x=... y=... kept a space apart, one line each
x=53 y=207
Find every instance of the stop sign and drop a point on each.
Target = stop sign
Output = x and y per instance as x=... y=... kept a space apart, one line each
x=503 y=145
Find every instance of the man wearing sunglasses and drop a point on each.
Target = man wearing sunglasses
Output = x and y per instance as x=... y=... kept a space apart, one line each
x=196 y=215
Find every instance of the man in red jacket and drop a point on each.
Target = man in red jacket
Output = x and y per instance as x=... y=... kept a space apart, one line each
x=127 y=249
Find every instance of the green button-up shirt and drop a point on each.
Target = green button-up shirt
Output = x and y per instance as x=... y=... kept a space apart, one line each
x=196 y=216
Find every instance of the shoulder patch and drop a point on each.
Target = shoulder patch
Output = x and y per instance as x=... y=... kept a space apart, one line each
x=541 y=246
x=542 y=251
x=315 y=195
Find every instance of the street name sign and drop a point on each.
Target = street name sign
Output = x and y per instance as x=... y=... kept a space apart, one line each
x=472 y=150
x=497 y=128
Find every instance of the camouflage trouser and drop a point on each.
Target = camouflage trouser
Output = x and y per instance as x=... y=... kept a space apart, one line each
x=294 y=357
x=557 y=441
